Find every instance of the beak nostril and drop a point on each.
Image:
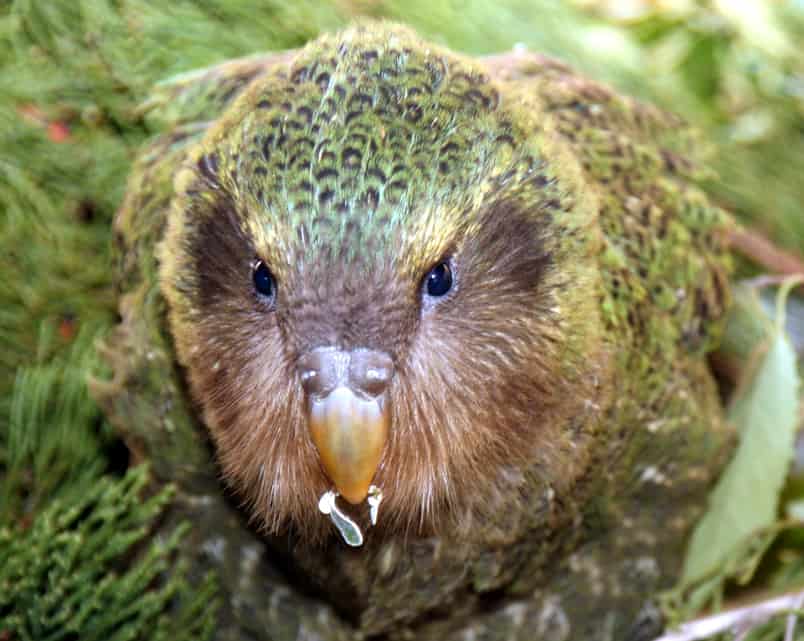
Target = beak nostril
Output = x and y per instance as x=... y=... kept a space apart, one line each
x=370 y=372
x=319 y=370
x=367 y=372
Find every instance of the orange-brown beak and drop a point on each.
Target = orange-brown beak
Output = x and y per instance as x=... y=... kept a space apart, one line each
x=348 y=414
x=350 y=435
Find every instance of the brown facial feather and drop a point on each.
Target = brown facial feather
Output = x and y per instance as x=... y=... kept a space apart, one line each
x=481 y=374
x=476 y=388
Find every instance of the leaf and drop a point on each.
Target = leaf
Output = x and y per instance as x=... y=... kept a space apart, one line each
x=745 y=500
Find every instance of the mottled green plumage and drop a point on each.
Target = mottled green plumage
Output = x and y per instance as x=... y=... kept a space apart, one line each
x=599 y=273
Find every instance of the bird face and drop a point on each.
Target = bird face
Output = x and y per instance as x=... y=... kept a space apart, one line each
x=360 y=266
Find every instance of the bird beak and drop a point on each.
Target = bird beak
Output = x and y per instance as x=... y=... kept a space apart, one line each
x=350 y=434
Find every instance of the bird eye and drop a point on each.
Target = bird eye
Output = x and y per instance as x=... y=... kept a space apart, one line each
x=439 y=281
x=264 y=280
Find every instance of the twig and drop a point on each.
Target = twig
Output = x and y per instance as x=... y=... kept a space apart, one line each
x=739 y=619
x=762 y=251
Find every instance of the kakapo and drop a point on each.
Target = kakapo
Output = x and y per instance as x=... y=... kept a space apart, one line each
x=421 y=338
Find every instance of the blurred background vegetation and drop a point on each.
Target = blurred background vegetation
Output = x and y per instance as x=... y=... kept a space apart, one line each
x=72 y=73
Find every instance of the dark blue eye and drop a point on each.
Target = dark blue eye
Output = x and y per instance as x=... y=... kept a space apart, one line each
x=264 y=280
x=439 y=280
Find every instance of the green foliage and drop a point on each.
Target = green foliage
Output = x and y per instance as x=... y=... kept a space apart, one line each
x=731 y=539
x=734 y=69
x=63 y=576
x=55 y=436
x=746 y=497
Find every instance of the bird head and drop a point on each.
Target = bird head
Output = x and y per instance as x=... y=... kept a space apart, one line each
x=367 y=275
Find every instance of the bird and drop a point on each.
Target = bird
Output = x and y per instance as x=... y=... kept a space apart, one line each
x=428 y=333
